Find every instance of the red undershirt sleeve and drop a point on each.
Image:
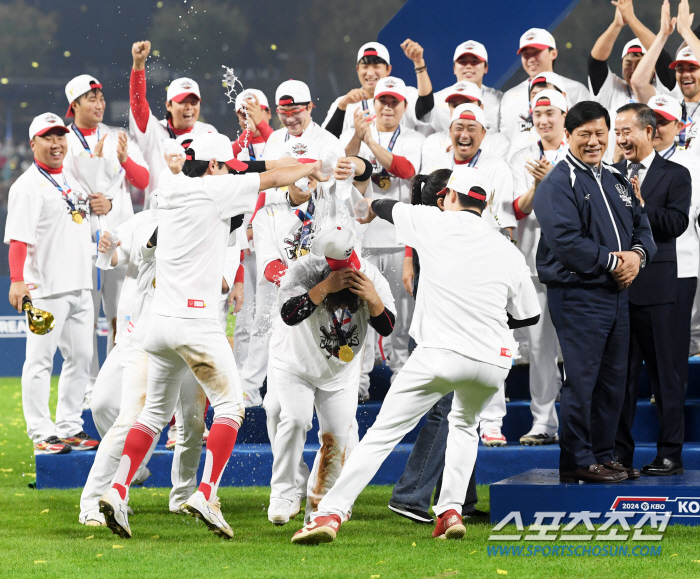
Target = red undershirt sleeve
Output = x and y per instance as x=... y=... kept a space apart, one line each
x=137 y=175
x=401 y=167
x=240 y=275
x=519 y=214
x=265 y=130
x=409 y=252
x=16 y=257
x=137 y=98
x=274 y=271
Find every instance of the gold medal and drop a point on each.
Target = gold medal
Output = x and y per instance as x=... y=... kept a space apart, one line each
x=154 y=283
x=384 y=182
x=345 y=353
x=77 y=217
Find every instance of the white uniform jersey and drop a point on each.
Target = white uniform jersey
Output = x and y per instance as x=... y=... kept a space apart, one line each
x=408 y=120
x=194 y=226
x=615 y=93
x=515 y=105
x=151 y=144
x=437 y=148
x=59 y=249
x=471 y=277
x=693 y=126
x=408 y=144
x=258 y=151
x=438 y=119
x=118 y=191
x=318 y=137
x=309 y=349
x=529 y=228
x=499 y=213
x=688 y=244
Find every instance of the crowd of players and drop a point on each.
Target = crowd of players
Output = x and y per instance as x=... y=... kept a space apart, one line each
x=264 y=217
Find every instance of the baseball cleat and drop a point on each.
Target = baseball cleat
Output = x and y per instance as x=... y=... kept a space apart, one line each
x=449 y=526
x=51 y=445
x=81 y=441
x=114 y=509
x=493 y=437
x=295 y=507
x=278 y=511
x=92 y=519
x=538 y=439
x=210 y=512
x=320 y=530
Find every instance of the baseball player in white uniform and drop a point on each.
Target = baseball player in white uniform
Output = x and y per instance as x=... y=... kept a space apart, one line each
x=327 y=300
x=394 y=152
x=462 y=321
x=529 y=167
x=467 y=132
x=48 y=231
x=182 y=103
x=538 y=51
x=184 y=330
x=122 y=164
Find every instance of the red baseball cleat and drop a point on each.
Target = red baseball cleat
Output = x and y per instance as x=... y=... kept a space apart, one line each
x=449 y=526
x=320 y=530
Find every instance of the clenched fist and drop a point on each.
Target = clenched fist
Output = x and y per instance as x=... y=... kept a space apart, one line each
x=140 y=51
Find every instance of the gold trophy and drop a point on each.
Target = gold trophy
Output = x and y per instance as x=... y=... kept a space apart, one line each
x=40 y=322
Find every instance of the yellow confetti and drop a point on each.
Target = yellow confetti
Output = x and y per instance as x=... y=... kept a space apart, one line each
x=374 y=577
x=155 y=537
x=224 y=567
x=37 y=562
x=674 y=555
x=472 y=552
x=19 y=494
x=303 y=558
x=90 y=537
x=413 y=544
x=99 y=554
x=117 y=546
x=6 y=469
x=696 y=560
x=501 y=572
x=380 y=562
x=44 y=511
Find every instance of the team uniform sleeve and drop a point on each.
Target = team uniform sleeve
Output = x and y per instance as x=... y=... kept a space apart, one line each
x=266 y=246
x=413 y=223
x=233 y=260
x=522 y=298
x=23 y=211
x=382 y=287
x=522 y=180
x=503 y=180
x=412 y=152
x=233 y=194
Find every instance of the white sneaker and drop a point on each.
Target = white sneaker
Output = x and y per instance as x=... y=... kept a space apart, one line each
x=210 y=513
x=115 y=511
x=251 y=399
x=295 y=507
x=279 y=510
x=92 y=518
x=493 y=437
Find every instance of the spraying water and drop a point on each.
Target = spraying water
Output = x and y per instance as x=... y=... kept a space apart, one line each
x=231 y=80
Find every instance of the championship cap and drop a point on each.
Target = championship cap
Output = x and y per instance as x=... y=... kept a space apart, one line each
x=537 y=38
x=471 y=47
x=182 y=87
x=390 y=85
x=685 y=55
x=470 y=112
x=548 y=77
x=667 y=106
x=215 y=146
x=301 y=150
x=44 y=123
x=550 y=98
x=337 y=245
x=373 y=49
x=465 y=89
x=293 y=92
x=78 y=87
x=634 y=46
x=247 y=94
x=464 y=179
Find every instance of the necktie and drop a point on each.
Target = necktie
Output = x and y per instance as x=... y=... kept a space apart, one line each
x=635 y=169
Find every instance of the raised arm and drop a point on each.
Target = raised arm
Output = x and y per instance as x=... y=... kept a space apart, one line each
x=137 y=84
x=685 y=23
x=603 y=46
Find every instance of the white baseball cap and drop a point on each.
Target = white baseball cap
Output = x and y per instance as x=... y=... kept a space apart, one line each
x=550 y=98
x=537 y=38
x=464 y=179
x=667 y=106
x=373 y=49
x=634 y=46
x=215 y=146
x=471 y=47
x=547 y=77
x=292 y=92
x=390 y=85
x=248 y=94
x=685 y=55
x=337 y=245
x=465 y=89
x=78 y=87
x=470 y=112
x=300 y=149
x=182 y=87
x=44 y=123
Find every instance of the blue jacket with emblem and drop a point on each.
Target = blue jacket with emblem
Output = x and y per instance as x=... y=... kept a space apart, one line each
x=584 y=221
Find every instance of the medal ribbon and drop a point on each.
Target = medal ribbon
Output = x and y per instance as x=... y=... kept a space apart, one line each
x=307 y=223
x=377 y=177
x=472 y=162
x=342 y=336
x=687 y=120
x=82 y=139
x=64 y=193
x=556 y=159
x=669 y=152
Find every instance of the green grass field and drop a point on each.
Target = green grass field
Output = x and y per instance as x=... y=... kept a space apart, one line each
x=40 y=536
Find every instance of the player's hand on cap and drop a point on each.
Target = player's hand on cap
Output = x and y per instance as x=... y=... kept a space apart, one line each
x=122 y=147
x=235 y=298
x=105 y=243
x=175 y=162
x=363 y=211
x=356 y=95
x=338 y=280
x=99 y=204
x=414 y=51
x=99 y=147
x=140 y=51
x=252 y=106
x=408 y=275
x=363 y=288
x=343 y=168
x=18 y=289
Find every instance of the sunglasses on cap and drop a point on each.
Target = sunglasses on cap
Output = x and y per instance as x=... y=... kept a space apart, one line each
x=291 y=112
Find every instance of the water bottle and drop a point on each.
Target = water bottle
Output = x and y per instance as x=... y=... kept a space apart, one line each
x=105 y=259
x=361 y=209
x=343 y=188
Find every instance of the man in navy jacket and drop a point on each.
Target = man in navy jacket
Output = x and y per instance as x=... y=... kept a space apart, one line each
x=595 y=238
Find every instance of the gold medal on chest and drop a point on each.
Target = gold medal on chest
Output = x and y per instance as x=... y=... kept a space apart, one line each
x=77 y=217
x=384 y=182
x=345 y=353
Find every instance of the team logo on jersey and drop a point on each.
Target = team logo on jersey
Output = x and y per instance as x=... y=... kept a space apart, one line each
x=624 y=194
x=299 y=149
x=294 y=246
x=330 y=343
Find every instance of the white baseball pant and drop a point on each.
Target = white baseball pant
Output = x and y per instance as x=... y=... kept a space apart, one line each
x=429 y=374
x=72 y=335
x=255 y=366
x=245 y=318
x=107 y=393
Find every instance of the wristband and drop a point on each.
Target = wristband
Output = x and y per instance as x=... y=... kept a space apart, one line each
x=368 y=170
x=421 y=69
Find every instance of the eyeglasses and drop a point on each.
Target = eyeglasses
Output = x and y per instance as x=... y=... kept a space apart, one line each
x=291 y=112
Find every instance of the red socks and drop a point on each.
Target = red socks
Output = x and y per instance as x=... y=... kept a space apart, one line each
x=138 y=442
x=222 y=439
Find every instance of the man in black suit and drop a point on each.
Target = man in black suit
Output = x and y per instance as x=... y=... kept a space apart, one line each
x=664 y=191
